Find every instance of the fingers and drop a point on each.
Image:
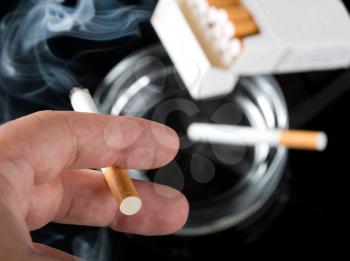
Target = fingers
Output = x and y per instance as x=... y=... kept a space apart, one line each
x=82 y=197
x=51 y=141
x=14 y=236
x=15 y=241
x=36 y=148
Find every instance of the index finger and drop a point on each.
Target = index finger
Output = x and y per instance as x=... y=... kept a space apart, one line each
x=52 y=141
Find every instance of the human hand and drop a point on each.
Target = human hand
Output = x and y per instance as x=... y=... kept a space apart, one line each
x=44 y=176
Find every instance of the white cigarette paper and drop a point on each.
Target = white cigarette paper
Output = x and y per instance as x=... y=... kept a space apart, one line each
x=82 y=101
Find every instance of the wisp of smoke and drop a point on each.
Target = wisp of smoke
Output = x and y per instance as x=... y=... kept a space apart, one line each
x=29 y=70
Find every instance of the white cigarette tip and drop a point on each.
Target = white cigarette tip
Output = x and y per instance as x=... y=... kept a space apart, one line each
x=192 y=132
x=130 y=206
x=322 y=141
x=76 y=90
x=82 y=101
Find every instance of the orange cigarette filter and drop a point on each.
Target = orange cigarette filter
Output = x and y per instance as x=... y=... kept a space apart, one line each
x=308 y=140
x=222 y=3
x=246 y=28
x=238 y=13
x=123 y=190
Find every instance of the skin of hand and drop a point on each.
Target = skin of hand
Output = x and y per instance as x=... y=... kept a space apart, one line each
x=45 y=159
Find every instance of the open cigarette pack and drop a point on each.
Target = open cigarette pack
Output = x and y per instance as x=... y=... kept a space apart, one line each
x=214 y=42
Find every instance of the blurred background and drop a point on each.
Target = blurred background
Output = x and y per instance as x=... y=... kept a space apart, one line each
x=306 y=213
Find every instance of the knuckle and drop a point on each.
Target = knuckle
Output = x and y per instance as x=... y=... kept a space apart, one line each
x=44 y=114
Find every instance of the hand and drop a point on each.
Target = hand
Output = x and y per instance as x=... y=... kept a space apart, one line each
x=44 y=176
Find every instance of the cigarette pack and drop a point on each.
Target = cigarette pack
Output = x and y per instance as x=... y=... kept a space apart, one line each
x=293 y=36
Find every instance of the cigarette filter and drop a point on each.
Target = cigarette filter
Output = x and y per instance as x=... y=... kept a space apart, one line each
x=123 y=190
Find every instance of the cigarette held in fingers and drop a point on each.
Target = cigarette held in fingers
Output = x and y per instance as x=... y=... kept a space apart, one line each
x=117 y=179
x=247 y=136
x=123 y=190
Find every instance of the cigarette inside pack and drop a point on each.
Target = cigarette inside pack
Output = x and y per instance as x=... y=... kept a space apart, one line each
x=219 y=26
x=212 y=43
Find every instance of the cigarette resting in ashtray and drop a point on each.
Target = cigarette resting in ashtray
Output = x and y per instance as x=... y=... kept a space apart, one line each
x=247 y=136
x=117 y=179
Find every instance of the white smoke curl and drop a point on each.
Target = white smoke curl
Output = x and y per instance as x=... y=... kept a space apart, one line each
x=29 y=69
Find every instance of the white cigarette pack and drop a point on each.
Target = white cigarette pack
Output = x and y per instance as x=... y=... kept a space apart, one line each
x=294 y=36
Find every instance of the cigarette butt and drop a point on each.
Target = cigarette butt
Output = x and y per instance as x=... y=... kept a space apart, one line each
x=237 y=13
x=123 y=190
x=308 y=140
x=220 y=3
x=246 y=28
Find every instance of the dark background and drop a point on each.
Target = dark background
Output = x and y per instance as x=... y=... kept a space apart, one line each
x=314 y=221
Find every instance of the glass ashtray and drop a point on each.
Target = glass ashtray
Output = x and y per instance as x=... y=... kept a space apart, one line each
x=224 y=184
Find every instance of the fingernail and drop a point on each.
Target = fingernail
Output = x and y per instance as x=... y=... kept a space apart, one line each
x=166 y=191
x=169 y=176
x=165 y=136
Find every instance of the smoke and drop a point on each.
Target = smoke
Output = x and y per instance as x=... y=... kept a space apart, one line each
x=90 y=244
x=30 y=70
x=93 y=245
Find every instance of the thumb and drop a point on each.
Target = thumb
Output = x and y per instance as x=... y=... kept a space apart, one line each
x=48 y=253
x=16 y=244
